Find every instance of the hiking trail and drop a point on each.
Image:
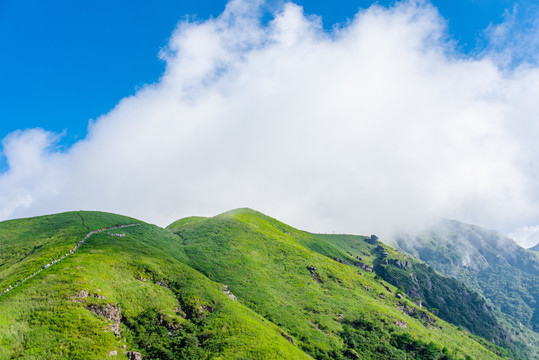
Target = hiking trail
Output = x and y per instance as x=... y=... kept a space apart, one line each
x=71 y=252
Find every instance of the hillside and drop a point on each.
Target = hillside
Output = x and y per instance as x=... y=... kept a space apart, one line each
x=135 y=286
x=331 y=310
x=240 y=285
x=488 y=262
x=447 y=298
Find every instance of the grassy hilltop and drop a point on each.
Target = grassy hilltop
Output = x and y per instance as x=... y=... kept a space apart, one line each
x=240 y=285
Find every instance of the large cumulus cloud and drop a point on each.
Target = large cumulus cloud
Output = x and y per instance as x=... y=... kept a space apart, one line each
x=377 y=125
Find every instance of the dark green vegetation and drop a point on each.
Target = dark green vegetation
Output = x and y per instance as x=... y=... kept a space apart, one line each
x=445 y=297
x=505 y=274
x=239 y=285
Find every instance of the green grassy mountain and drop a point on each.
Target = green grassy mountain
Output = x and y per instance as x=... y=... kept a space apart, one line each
x=137 y=284
x=302 y=284
x=505 y=274
x=241 y=285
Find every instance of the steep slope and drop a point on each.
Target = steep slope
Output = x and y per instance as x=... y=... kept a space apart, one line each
x=447 y=298
x=121 y=290
x=488 y=262
x=329 y=309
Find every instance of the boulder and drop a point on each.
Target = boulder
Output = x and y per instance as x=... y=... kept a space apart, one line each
x=133 y=355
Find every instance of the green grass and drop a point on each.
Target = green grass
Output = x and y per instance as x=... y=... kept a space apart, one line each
x=41 y=318
x=266 y=264
x=294 y=302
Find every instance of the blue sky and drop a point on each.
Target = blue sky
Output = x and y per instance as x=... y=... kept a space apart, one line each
x=404 y=113
x=66 y=62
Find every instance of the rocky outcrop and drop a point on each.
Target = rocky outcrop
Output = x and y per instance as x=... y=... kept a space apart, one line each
x=373 y=239
x=416 y=313
x=404 y=264
x=228 y=293
x=314 y=274
x=358 y=264
x=162 y=284
x=81 y=294
x=289 y=338
x=339 y=260
x=110 y=312
x=133 y=355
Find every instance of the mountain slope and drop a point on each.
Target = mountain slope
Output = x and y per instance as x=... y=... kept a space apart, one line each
x=117 y=291
x=331 y=310
x=449 y=299
x=488 y=262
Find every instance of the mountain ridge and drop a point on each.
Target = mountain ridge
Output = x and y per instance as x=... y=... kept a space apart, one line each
x=237 y=285
x=501 y=271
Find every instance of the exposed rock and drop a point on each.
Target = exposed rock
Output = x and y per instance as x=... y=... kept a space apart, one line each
x=314 y=274
x=399 y=296
x=417 y=313
x=340 y=316
x=339 y=260
x=386 y=287
x=365 y=267
x=401 y=324
x=414 y=279
x=381 y=296
x=428 y=285
x=202 y=311
x=372 y=240
x=111 y=312
x=113 y=353
x=402 y=264
x=133 y=355
x=425 y=317
x=81 y=294
x=228 y=293
x=289 y=338
x=161 y=283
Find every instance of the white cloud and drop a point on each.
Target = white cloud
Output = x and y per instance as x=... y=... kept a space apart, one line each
x=379 y=124
x=516 y=39
x=526 y=236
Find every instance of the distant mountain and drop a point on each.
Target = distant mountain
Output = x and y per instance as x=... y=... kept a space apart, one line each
x=535 y=248
x=506 y=274
x=240 y=285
